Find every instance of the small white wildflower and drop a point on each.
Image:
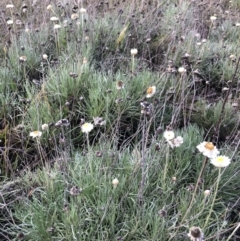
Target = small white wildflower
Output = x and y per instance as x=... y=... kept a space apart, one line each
x=83 y=10
x=49 y=7
x=23 y=58
x=175 y=142
x=9 y=6
x=35 y=134
x=115 y=182
x=225 y=89
x=151 y=91
x=181 y=70
x=87 y=127
x=208 y=149
x=134 y=51
x=10 y=21
x=221 y=161
x=168 y=135
x=74 y=16
x=232 y=57
x=45 y=56
x=178 y=141
x=213 y=18
x=54 y=19
x=57 y=26
x=207 y=193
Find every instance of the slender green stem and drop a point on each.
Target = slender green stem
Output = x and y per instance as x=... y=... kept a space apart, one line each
x=132 y=63
x=214 y=199
x=40 y=151
x=193 y=196
x=166 y=167
x=88 y=145
x=89 y=157
x=238 y=226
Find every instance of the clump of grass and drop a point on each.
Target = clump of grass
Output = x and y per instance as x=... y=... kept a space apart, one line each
x=62 y=74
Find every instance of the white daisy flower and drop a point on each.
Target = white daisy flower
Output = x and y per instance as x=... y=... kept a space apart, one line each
x=151 y=91
x=35 y=134
x=208 y=149
x=168 y=135
x=221 y=161
x=87 y=127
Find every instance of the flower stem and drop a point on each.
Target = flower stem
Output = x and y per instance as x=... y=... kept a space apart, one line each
x=238 y=226
x=166 y=166
x=214 y=199
x=193 y=196
x=88 y=145
x=132 y=63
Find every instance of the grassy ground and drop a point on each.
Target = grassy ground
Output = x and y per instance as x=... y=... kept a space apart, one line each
x=121 y=180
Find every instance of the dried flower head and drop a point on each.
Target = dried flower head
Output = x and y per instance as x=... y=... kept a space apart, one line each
x=62 y=122
x=99 y=153
x=134 y=51
x=119 y=85
x=118 y=100
x=195 y=234
x=18 y=22
x=74 y=75
x=35 y=134
x=44 y=127
x=75 y=190
x=87 y=127
x=178 y=141
x=99 y=121
x=146 y=108
x=175 y=142
x=151 y=91
x=162 y=213
x=221 y=161
x=208 y=149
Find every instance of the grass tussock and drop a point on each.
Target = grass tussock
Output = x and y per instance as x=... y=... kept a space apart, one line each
x=119 y=120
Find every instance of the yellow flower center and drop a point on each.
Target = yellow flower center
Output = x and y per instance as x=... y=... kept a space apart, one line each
x=220 y=159
x=150 y=90
x=209 y=146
